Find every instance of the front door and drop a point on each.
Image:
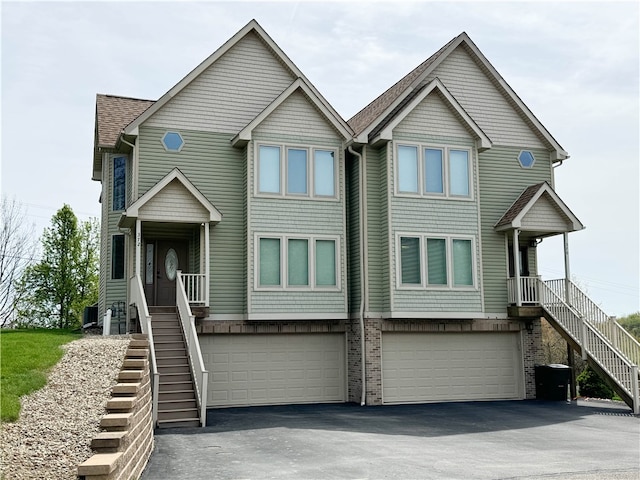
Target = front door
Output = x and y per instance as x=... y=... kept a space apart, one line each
x=170 y=256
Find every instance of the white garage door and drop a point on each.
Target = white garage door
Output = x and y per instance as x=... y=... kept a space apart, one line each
x=274 y=369
x=422 y=367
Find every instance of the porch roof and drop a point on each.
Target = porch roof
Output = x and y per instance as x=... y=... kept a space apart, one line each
x=174 y=199
x=540 y=211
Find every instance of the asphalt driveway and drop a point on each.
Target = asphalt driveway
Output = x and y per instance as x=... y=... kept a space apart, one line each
x=474 y=440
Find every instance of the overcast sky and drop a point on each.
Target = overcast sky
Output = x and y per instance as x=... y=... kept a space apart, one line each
x=575 y=64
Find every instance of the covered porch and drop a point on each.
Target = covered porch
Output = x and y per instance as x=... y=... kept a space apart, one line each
x=536 y=214
x=171 y=224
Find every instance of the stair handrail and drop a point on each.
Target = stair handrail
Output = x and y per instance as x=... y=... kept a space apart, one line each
x=138 y=299
x=618 y=336
x=586 y=334
x=187 y=320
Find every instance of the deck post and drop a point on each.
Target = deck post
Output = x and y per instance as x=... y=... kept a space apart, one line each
x=138 y=246
x=635 y=389
x=516 y=266
x=207 y=263
x=583 y=342
x=567 y=270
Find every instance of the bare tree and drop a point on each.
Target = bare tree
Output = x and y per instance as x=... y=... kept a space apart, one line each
x=17 y=250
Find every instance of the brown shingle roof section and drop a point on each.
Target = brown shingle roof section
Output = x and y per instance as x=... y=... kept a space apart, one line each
x=361 y=120
x=113 y=114
x=519 y=204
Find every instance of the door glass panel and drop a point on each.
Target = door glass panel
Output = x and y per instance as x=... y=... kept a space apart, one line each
x=171 y=264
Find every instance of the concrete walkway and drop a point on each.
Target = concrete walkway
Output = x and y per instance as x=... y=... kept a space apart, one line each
x=474 y=440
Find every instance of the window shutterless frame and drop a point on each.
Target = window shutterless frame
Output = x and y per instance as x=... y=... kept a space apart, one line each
x=437 y=171
x=119 y=182
x=291 y=249
x=445 y=262
x=117 y=256
x=294 y=171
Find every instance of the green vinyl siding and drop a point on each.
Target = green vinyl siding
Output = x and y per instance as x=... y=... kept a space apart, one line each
x=216 y=169
x=377 y=230
x=502 y=180
x=354 y=251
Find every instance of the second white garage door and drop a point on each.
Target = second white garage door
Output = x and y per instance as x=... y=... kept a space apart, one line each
x=430 y=367
x=274 y=369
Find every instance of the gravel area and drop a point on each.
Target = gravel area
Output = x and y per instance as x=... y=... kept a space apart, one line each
x=56 y=424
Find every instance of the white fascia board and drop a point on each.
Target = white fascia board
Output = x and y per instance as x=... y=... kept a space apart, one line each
x=244 y=135
x=482 y=139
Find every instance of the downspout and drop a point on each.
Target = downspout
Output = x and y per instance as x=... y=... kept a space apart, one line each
x=363 y=357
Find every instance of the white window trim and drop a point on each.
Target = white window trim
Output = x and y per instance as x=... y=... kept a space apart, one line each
x=446 y=167
x=449 y=238
x=284 y=272
x=284 y=172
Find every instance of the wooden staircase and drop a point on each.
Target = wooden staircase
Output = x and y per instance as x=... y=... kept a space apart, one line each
x=603 y=343
x=177 y=403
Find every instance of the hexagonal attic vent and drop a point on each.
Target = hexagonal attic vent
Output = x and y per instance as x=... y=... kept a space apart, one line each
x=526 y=159
x=172 y=141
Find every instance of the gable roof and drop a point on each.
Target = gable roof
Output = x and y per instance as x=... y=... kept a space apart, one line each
x=513 y=217
x=133 y=211
x=244 y=135
x=390 y=101
x=384 y=130
x=113 y=113
x=252 y=26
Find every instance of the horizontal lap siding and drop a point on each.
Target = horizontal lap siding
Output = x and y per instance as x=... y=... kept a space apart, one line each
x=483 y=101
x=432 y=122
x=174 y=203
x=297 y=122
x=216 y=170
x=354 y=251
x=114 y=290
x=230 y=93
x=502 y=180
x=376 y=230
x=545 y=216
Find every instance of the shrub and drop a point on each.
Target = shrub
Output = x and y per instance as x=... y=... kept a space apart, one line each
x=592 y=385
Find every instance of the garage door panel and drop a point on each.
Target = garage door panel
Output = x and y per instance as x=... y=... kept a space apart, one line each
x=425 y=367
x=272 y=369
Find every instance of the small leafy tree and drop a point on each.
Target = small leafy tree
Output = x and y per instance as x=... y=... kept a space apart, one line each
x=631 y=323
x=591 y=385
x=57 y=288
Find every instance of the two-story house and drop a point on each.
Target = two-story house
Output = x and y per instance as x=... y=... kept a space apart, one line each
x=276 y=253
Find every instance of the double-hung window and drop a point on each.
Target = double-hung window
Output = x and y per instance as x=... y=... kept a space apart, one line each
x=297 y=172
x=433 y=171
x=297 y=262
x=432 y=261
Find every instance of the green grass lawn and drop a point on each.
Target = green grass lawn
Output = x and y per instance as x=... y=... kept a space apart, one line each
x=25 y=359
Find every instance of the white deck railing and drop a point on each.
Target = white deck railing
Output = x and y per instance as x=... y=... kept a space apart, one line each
x=188 y=323
x=528 y=291
x=195 y=288
x=139 y=300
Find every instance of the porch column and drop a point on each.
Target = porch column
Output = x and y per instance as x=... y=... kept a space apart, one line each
x=567 y=270
x=207 y=264
x=138 y=247
x=516 y=266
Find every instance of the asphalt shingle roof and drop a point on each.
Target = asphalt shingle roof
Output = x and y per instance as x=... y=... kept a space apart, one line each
x=113 y=113
x=517 y=207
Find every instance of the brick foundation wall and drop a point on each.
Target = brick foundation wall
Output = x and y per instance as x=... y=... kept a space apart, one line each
x=373 y=345
x=123 y=449
x=354 y=361
x=532 y=356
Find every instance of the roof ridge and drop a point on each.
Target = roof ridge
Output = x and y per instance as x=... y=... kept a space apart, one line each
x=358 y=122
x=110 y=95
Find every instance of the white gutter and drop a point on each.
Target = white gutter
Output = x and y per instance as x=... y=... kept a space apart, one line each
x=363 y=357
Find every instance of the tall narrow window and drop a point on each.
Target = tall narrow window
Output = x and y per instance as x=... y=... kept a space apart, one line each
x=269 y=169
x=410 y=261
x=436 y=261
x=326 y=263
x=269 y=261
x=119 y=183
x=459 y=173
x=296 y=171
x=324 y=173
x=298 y=262
x=407 y=169
x=462 y=263
x=117 y=257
